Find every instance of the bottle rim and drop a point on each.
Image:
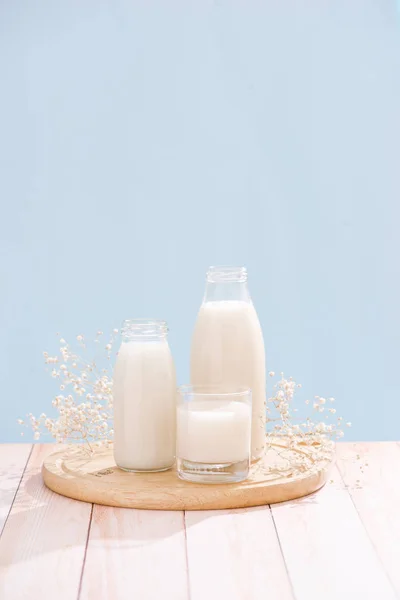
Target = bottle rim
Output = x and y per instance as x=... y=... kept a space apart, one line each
x=149 y=328
x=226 y=274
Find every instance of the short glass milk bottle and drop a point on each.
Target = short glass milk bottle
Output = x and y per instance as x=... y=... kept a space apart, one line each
x=144 y=391
x=228 y=345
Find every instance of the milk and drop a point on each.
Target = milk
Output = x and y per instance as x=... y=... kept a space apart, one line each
x=228 y=350
x=144 y=393
x=213 y=432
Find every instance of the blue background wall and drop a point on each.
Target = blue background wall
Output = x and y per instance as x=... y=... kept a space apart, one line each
x=142 y=141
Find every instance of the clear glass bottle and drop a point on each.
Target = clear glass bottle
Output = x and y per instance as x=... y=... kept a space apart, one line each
x=144 y=391
x=228 y=345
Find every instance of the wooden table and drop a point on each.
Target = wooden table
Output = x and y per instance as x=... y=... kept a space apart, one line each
x=342 y=543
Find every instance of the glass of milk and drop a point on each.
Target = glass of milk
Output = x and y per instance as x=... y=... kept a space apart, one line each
x=144 y=392
x=228 y=345
x=213 y=434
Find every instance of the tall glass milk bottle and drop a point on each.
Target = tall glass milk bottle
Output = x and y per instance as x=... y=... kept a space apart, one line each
x=144 y=393
x=228 y=346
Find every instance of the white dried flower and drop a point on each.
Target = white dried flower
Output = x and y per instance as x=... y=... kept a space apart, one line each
x=77 y=421
x=85 y=412
x=316 y=435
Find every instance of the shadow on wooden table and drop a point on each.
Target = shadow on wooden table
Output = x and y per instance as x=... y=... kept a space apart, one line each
x=42 y=521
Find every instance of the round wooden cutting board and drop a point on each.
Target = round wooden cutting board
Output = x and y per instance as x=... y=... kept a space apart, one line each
x=97 y=479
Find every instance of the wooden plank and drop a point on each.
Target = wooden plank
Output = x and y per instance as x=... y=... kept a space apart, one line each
x=235 y=554
x=135 y=554
x=373 y=481
x=43 y=543
x=327 y=550
x=13 y=458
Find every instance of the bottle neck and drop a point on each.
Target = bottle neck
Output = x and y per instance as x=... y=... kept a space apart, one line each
x=236 y=291
x=226 y=284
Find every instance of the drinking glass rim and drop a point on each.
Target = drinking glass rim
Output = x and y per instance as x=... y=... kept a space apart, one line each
x=213 y=390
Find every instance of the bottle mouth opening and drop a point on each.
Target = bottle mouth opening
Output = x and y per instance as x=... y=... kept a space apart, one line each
x=149 y=328
x=226 y=274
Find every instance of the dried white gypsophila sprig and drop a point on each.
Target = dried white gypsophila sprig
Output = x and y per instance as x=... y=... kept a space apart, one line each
x=308 y=442
x=85 y=404
x=85 y=414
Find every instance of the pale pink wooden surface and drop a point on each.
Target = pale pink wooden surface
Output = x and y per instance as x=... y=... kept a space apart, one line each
x=235 y=554
x=135 y=554
x=13 y=459
x=375 y=491
x=327 y=550
x=339 y=544
x=43 y=541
